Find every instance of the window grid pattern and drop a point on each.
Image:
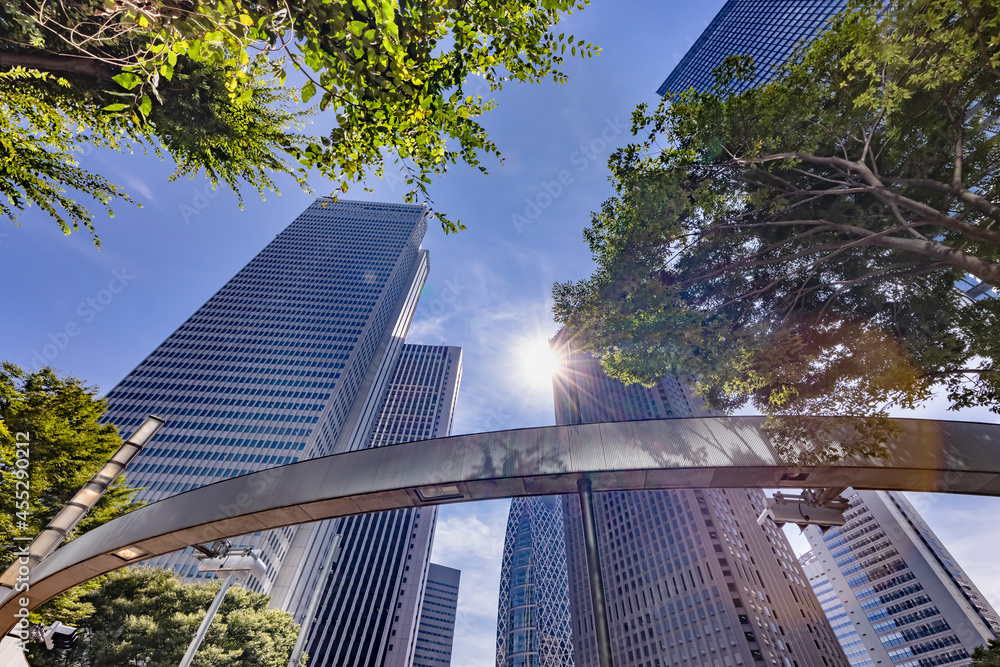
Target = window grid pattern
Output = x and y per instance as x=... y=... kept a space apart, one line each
x=766 y=30
x=836 y=613
x=264 y=372
x=690 y=577
x=369 y=610
x=436 y=632
x=533 y=615
x=881 y=567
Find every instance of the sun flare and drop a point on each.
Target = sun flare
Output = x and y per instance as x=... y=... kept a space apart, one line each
x=538 y=362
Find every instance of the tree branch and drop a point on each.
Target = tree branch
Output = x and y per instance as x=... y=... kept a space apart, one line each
x=877 y=187
x=52 y=63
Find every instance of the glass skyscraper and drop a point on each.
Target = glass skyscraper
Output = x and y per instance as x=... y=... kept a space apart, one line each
x=289 y=360
x=533 y=615
x=836 y=613
x=371 y=602
x=436 y=633
x=766 y=30
x=903 y=592
x=690 y=577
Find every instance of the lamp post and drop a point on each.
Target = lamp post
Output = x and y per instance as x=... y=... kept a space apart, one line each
x=69 y=516
x=220 y=557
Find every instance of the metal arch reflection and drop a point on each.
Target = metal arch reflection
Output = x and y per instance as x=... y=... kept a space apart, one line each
x=953 y=457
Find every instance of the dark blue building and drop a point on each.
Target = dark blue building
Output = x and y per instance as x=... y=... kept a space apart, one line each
x=767 y=30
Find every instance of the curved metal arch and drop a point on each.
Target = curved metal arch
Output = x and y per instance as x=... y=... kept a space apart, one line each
x=720 y=452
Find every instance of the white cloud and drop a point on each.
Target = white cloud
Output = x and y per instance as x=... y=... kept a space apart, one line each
x=470 y=537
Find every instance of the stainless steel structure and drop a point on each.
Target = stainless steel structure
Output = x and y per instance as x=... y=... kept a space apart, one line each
x=720 y=452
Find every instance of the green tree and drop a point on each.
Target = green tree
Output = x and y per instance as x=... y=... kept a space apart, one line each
x=51 y=423
x=797 y=244
x=147 y=616
x=987 y=655
x=204 y=82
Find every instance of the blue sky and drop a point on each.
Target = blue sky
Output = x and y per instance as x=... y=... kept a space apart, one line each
x=96 y=314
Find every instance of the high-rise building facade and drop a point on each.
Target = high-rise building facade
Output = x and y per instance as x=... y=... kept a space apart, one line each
x=690 y=577
x=904 y=593
x=287 y=361
x=840 y=621
x=436 y=633
x=533 y=615
x=766 y=30
x=370 y=606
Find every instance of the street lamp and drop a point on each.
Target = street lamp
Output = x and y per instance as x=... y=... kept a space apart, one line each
x=84 y=500
x=221 y=557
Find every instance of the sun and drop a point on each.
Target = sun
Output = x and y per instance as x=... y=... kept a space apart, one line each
x=538 y=362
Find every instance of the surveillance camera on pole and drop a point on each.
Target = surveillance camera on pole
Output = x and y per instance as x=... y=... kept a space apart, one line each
x=824 y=508
x=221 y=557
x=59 y=636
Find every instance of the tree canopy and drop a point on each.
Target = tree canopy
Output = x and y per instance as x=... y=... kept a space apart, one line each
x=51 y=424
x=797 y=245
x=147 y=616
x=205 y=83
x=53 y=421
x=987 y=655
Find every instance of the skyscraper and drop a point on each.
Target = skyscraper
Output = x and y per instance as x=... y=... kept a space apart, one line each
x=436 y=633
x=847 y=635
x=690 y=578
x=533 y=615
x=371 y=601
x=904 y=594
x=767 y=30
x=287 y=361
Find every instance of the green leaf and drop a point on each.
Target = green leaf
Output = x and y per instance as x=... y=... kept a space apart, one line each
x=308 y=91
x=126 y=80
x=145 y=105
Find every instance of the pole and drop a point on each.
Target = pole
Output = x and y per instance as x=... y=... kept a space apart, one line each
x=594 y=572
x=207 y=621
x=324 y=574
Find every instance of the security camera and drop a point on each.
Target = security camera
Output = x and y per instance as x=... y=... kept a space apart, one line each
x=782 y=510
x=59 y=636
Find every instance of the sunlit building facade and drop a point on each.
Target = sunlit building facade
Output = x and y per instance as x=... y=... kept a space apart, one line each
x=840 y=621
x=766 y=30
x=436 y=633
x=690 y=577
x=903 y=592
x=533 y=616
x=289 y=360
x=372 y=598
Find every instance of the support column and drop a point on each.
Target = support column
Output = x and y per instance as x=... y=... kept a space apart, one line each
x=594 y=571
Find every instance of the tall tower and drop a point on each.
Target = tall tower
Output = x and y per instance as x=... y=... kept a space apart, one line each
x=904 y=593
x=690 y=577
x=836 y=613
x=436 y=633
x=533 y=616
x=370 y=605
x=287 y=361
x=766 y=30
